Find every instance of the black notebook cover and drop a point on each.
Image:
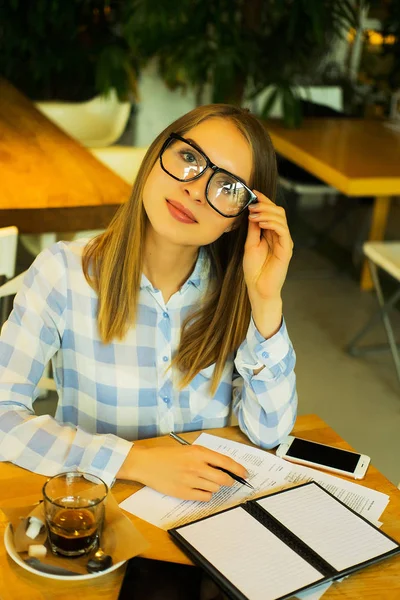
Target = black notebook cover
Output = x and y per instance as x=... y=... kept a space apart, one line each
x=326 y=572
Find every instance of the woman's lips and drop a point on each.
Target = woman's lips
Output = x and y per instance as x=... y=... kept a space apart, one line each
x=180 y=213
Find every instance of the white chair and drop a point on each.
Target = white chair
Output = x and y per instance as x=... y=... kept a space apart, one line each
x=8 y=251
x=7 y=290
x=97 y=122
x=8 y=256
x=386 y=256
x=123 y=160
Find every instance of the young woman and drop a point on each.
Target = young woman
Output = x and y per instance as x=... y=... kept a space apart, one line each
x=166 y=322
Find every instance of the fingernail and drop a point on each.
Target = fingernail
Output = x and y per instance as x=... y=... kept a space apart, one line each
x=252 y=216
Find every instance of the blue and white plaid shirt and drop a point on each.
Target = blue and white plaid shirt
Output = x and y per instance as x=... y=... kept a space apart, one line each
x=111 y=394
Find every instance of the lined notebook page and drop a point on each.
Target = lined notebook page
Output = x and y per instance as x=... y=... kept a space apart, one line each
x=249 y=555
x=328 y=527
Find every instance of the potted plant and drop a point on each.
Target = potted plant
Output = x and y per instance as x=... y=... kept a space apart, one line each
x=238 y=47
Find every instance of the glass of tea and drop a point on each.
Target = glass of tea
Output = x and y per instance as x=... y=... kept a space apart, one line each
x=74 y=505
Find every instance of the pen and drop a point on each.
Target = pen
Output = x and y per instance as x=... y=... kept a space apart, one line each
x=235 y=477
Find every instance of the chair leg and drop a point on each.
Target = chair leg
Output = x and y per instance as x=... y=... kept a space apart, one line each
x=386 y=321
x=383 y=312
x=375 y=318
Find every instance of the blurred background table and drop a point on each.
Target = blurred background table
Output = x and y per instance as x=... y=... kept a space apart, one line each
x=22 y=487
x=49 y=182
x=359 y=157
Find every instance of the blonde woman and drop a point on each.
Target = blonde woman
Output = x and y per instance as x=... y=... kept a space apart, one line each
x=168 y=321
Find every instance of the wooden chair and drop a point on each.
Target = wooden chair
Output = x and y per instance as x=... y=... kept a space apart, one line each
x=385 y=256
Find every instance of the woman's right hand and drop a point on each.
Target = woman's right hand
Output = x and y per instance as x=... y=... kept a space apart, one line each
x=186 y=472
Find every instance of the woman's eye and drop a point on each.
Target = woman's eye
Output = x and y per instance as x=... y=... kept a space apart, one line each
x=226 y=187
x=188 y=157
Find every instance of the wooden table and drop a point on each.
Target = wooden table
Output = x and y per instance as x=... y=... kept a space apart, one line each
x=48 y=181
x=359 y=157
x=377 y=582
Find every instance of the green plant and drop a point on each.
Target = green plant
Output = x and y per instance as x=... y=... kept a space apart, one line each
x=65 y=49
x=238 y=46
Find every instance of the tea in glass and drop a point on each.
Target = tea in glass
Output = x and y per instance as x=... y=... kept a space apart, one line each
x=74 y=510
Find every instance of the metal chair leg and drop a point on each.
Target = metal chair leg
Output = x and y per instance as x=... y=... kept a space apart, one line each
x=383 y=313
x=385 y=318
x=377 y=316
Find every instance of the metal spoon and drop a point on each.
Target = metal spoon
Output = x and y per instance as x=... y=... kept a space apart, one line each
x=45 y=568
x=99 y=562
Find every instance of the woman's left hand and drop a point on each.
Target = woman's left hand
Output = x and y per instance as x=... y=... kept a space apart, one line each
x=268 y=249
x=267 y=253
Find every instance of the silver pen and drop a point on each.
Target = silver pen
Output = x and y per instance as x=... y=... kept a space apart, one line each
x=177 y=438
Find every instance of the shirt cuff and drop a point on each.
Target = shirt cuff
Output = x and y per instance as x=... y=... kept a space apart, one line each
x=257 y=352
x=104 y=456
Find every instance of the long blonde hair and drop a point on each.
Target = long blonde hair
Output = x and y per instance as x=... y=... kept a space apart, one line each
x=112 y=262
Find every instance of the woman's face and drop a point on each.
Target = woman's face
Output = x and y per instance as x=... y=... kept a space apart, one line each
x=178 y=210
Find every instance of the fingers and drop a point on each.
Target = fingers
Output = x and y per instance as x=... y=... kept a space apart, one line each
x=267 y=210
x=265 y=205
x=202 y=483
x=194 y=494
x=266 y=215
x=215 y=478
x=215 y=459
x=253 y=235
x=187 y=472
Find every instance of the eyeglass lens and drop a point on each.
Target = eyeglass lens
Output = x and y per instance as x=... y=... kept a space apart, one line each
x=224 y=192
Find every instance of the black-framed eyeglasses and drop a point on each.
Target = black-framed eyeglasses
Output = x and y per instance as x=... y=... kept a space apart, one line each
x=184 y=161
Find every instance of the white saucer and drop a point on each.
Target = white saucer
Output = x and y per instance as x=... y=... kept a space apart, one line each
x=9 y=544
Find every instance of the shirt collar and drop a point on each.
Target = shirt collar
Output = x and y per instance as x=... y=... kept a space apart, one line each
x=198 y=278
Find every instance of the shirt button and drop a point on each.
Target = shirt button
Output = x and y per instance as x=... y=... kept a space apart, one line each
x=165 y=358
x=265 y=354
x=165 y=315
x=166 y=400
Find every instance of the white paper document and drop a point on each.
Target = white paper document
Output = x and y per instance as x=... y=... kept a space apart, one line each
x=267 y=473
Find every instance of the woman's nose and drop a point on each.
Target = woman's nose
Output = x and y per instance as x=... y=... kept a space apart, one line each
x=196 y=189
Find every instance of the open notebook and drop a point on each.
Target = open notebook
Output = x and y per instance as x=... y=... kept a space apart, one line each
x=273 y=547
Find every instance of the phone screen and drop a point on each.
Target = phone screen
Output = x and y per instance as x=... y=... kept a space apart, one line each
x=147 y=579
x=323 y=455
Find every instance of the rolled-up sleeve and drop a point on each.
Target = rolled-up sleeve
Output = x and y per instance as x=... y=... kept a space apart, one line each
x=265 y=404
x=29 y=339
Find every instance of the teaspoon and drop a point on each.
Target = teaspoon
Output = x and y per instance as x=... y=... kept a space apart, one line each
x=99 y=562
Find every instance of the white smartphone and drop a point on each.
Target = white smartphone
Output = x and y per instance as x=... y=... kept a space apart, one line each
x=324 y=457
